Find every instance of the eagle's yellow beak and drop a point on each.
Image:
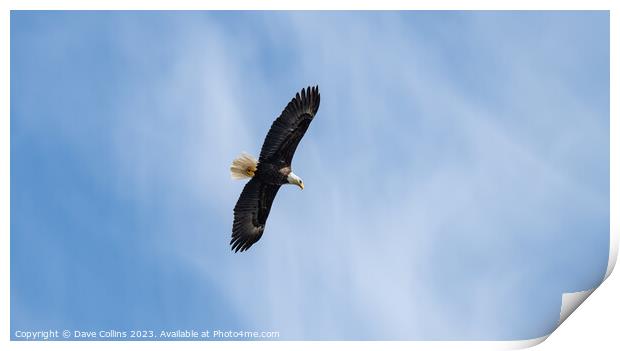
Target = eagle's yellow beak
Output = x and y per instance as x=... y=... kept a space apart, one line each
x=301 y=185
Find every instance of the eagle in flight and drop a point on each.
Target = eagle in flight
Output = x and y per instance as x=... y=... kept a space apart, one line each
x=272 y=170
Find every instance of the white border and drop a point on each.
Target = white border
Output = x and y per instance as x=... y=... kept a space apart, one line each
x=312 y=5
x=289 y=5
x=614 y=132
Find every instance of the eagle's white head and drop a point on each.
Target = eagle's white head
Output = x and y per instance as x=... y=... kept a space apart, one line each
x=294 y=179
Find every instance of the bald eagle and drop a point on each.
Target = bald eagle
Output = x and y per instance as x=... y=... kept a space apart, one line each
x=272 y=170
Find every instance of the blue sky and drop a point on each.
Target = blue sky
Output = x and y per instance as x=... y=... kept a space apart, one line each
x=457 y=173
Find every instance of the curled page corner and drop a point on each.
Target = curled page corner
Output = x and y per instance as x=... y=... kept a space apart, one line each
x=570 y=302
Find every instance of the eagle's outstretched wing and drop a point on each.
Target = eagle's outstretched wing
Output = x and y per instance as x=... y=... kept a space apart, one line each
x=251 y=213
x=288 y=129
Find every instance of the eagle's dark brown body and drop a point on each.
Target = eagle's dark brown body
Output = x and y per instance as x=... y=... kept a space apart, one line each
x=270 y=173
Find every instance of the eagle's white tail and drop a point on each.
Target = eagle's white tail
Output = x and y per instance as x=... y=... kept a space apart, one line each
x=243 y=166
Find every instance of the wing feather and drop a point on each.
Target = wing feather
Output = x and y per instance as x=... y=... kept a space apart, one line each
x=288 y=129
x=251 y=212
